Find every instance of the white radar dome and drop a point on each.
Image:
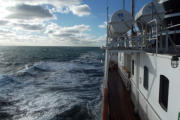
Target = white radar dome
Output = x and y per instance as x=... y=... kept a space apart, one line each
x=121 y=22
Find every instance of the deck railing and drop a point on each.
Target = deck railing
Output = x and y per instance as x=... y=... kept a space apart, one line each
x=154 y=38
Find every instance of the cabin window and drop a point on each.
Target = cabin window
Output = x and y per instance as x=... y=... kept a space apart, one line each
x=132 y=67
x=146 y=78
x=163 y=92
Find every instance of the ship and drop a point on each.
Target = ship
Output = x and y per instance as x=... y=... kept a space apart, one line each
x=142 y=71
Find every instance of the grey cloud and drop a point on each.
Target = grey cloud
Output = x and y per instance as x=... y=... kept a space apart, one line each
x=25 y=11
x=29 y=26
x=74 y=34
x=73 y=31
x=66 y=35
x=85 y=9
x=5 y=31
x=3 y=22
x=54 y=29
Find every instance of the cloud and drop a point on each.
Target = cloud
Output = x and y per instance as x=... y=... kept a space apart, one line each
x=53 y=35
x=103 y=25
x=67 y=33
x=25 y=11
x=80 y=10
x=31 y=22
x=57 y=3
x=73 y=35
x=61 y=6
x=29 y=26
x=3 y=22
x=4 y=31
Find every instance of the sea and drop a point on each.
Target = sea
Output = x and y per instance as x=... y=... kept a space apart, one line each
x=51 y=83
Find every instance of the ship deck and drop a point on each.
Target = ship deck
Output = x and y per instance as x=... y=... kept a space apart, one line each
x=119 y=101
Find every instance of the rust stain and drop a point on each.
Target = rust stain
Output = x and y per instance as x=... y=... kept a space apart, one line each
x=105 y=112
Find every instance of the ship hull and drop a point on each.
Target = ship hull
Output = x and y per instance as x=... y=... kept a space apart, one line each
x=126 y=95
x=146 y=95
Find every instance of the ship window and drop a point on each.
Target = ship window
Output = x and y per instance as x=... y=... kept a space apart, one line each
x=146 y=77
x=163 y=92
x=132 y=67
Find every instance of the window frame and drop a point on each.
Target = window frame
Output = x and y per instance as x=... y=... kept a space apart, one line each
x=164 y=92
x=132 y=67
x=146 y=78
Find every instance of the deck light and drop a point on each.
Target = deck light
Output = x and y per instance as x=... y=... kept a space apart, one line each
x=174 y=62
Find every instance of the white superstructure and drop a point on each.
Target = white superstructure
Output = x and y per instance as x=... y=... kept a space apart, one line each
x=148 y=62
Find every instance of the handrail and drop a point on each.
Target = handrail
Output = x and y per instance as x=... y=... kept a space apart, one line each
x=155 y=21
x=173 y=26
x=150 y=39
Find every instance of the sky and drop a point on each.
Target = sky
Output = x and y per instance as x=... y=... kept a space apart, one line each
x=57 y=22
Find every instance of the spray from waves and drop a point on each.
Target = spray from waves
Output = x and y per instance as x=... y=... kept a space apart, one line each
x=53 y=91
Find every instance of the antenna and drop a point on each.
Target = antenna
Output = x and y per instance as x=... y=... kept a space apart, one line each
x=124 y=4
x=132 y=12
x=107 y=4
x=132 y=8
x=107 y=20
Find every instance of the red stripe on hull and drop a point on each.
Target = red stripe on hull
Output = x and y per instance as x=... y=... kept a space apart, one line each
x=105 y=111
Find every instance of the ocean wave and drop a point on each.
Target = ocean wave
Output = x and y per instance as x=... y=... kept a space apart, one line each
x=8 y=80
x=34 y=70
x=51 y=90
x=76 y=112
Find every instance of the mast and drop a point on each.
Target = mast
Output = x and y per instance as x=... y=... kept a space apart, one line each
x=132 y=12
x=124 y=4
x=132 y=8
x=106 y=56
x=105 y=108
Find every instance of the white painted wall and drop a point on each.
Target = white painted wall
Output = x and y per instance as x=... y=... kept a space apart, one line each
x=149 y=100
x=120 y=59
x=160 y=65
x=114 y=57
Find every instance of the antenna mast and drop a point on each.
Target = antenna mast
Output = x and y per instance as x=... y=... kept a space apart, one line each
x=132 y=12
x=124 y=4
x=132 y=8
